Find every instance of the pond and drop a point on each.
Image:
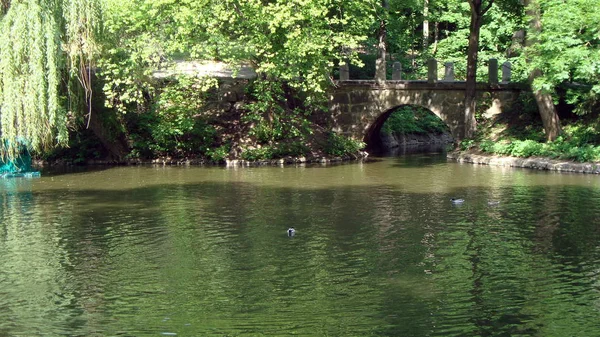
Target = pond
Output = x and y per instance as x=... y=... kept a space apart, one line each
x=379 y=250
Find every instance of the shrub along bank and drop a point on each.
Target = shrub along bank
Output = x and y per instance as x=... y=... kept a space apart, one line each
x=204 y=120
x=519 y=133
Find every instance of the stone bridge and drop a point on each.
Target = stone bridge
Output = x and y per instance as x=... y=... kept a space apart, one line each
x=359 y=108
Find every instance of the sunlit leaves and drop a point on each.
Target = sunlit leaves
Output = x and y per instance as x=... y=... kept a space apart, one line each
x=296 y=41
x=30 y=56
x=37 y=38
x=567 y=48
x=500 y=23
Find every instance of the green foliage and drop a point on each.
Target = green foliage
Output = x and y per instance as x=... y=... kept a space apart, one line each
x=48 y=50
x=567 y=49
x=82 y=146
x=44 y=44
x=174 y=126
x=135 y=43
x=501 y=22
x=297 y=42
x=415 y=120
x=273 y=113
x=467 y=144
x=254 y=154
x=219 y=154
x=293 y=149
x=338 y=145
x=579 y=143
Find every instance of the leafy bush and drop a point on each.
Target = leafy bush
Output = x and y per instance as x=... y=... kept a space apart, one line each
x=560 y=148
x=254 y=154
x=526 y=148
x=580 y=140
x=487 y=145
x=172 y=126
x=275 y=112
x=219 y=154
x=467 y=144
x=338 y=145
x=294 y=149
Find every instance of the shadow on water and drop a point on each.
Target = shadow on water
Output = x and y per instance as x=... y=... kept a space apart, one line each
x=213 y=258
x=416 y=156
x=411 y=149
x=58 y=170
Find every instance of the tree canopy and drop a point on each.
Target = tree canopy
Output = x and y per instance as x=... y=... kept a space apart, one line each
x=51 y=49
x=567 y=50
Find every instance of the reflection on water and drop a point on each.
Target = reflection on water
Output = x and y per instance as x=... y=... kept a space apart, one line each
x=379 y=250
x=425 y=148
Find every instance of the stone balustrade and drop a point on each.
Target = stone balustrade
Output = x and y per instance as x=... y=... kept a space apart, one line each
x=449 y=76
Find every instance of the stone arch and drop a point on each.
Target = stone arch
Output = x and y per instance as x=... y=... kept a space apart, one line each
x=372 y=134
x=357 y=106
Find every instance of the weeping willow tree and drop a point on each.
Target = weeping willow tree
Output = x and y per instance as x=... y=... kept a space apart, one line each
x=46 y=53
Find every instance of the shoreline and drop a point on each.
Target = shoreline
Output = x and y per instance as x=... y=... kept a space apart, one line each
x=471 y=157
x=168 y=161
x=535 y=163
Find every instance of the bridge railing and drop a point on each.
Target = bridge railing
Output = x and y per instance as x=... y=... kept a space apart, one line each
x=432 y=72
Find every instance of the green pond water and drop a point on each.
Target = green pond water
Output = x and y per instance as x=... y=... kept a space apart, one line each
x=379 y=251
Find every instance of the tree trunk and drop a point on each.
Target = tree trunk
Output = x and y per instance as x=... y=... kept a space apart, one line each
x=116 y=145
x=469 y=123
x=380 y=63
x=436 y=36
x=4 y=5
x=543 y=99
x=425 y=24
x=547 y=110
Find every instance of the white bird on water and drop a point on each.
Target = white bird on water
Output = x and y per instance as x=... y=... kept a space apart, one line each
x=457 y=201
x=291 y=231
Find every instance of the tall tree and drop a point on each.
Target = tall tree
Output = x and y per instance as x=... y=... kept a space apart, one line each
x=563 y=49
x=425 y=24
x=543 y=98
x=380 y=63
x=478 y=10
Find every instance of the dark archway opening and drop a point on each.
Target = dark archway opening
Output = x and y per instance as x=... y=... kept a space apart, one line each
x=407 y=129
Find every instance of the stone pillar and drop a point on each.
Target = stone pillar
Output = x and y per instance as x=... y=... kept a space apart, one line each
x=493 y=71
x=397 y=73
x=449 y=72
x=432 y=71
x=344 y=72
x=506 y=72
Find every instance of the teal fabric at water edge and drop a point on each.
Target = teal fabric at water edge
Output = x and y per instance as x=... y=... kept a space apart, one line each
x=32 y=174
x=19 y=164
